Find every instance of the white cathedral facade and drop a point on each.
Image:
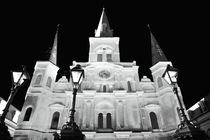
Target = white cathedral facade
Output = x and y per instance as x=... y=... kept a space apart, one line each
x=112 y=102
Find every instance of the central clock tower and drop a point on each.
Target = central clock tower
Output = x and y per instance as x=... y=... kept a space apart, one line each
x=104 y=47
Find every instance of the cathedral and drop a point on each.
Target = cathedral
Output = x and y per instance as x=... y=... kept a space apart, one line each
x=112 y=103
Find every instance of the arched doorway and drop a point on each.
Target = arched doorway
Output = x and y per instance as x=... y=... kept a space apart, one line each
x=55 y=120
x=100 y=120
x=109 y=121
x=153 y=119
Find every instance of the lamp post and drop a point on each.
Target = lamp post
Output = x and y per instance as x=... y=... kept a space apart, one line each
x=186 y=130
x=18 y=79
x=70 y=130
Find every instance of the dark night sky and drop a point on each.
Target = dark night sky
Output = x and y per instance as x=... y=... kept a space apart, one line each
x=181 y=30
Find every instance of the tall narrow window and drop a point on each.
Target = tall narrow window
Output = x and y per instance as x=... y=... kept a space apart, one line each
x=49 y=81
x=100 y=120
x=109 y=57
x=129 y=86
x=99 y=57
x=104 y=88
x=27 y=114
x=55 y=120
x=38 y=79
x=153 y=119
x=109 y=120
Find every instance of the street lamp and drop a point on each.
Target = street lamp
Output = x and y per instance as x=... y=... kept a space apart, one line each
x=70 y=130
x=18 y=79
x=186 y=130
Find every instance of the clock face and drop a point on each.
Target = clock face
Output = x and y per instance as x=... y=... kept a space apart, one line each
x=105 y=74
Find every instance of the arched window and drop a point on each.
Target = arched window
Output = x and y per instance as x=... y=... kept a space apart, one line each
x=49 y=81
x=159 y=82
x=108 y=120
x=129 y=86
x=55 y=120
x=100 y=120
x=27 y=114
x=38 y=79
x=153 y=119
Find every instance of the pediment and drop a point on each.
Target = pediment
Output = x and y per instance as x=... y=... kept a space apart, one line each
x=103 y=65
x=104 y=105
x=57 y=105
x=152 y=106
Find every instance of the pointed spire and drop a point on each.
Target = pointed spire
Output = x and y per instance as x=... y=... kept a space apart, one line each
x=103 y=29
x=53 y=55
x=157 y=53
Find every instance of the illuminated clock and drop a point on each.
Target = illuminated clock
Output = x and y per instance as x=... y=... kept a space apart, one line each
x=105 y=74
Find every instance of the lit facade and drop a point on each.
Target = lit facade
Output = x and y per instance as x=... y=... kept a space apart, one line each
x=11 y=117
x=113 y=102
x=199 y=114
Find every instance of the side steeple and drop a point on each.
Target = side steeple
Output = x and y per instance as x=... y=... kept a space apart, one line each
x=53 y=55
x=103 y=29
x=157 y=53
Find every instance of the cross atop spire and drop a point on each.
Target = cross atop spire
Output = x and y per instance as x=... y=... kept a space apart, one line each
x=103 y=29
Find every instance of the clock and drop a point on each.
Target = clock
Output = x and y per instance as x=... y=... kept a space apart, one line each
x=104 y=74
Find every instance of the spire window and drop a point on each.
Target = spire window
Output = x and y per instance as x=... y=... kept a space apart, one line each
x=38 y=80
x=109 y=57
x=99 y=58
x=49 y=81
